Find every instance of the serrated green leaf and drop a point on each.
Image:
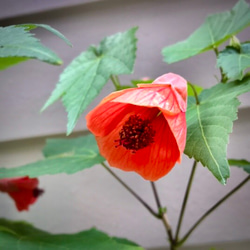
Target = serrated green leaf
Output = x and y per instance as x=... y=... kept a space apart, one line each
x=31 y=26
x=84 y=78
x=23 y=236
x=17 y=43
x=234 y=62
x=62 y=156
x=215 y=30
x=244 y=164
x=209 y=125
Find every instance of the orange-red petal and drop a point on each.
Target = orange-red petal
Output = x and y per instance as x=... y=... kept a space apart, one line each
x=178 y=126
x=151 y=162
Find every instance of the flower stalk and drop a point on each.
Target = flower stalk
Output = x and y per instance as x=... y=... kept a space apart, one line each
x=212 y=209
x=223 y=75
x=155 y=214
x=195 y=93
x=116 y=82
x=163 y=214
x=183 y=207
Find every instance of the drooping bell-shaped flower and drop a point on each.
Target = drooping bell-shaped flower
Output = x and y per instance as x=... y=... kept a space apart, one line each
x=143 y=129
x=24 y=191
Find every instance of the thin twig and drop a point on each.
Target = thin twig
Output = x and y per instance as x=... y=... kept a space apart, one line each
x=157 y=199
x=212 y=209
x=163 y=215
x=155 y=214
x=115 y=81
x=195 y=93
x=223 y=75
x=184 y=203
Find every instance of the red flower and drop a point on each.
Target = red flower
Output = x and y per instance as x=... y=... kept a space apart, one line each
x=22 y=190
x=143 y=129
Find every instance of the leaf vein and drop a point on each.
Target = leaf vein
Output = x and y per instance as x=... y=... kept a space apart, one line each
x=205 y=140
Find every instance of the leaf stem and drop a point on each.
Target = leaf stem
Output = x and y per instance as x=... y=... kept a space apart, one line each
x=184 y=203
x=212 y=209
x=116 y=82
x=223 y=75
x=195 y=93
x=163 y=216
x=155 y=214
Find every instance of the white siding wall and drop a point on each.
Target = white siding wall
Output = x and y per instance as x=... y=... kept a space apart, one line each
x=93 y=198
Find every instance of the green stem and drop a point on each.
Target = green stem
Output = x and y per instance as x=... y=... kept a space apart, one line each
x=184 y=203
x=132 y=192
x=195 y=93
x=163 y=217
x=223 y=75
x=212 y=209
x=116 y=82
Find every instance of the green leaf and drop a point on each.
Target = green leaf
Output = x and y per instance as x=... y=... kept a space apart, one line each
x=215 y=30
x=125 y=241
x=244 y=164
x=30 y=26
x=17 y=44
x=7 y=62
x=62 y=156
x=138 y=81
x=209 y=125
x=84 y=78
x=23 y=236
x=234 y=62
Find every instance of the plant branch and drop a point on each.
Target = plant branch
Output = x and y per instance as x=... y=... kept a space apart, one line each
x=157 y=199
x=212 y=209
x=184 y=203
x=223 y=75
x=195 y=93
x=116 y=82
x=163 y=215
x=155 y=214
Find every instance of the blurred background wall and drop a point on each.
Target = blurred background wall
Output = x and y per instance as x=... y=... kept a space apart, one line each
x=92 y=198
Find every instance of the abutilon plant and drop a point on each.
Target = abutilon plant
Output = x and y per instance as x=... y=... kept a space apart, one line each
x=144 y=127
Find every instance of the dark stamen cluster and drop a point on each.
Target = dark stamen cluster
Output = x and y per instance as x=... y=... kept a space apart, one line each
x=136 y=134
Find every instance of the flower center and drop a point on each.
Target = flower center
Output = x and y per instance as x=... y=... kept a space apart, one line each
x=136 y=133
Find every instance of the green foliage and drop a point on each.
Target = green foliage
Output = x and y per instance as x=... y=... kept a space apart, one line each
x=84 y=78
x=209 y=125
x=17 y=44
x=244 y=164
x=215 y=30
x=233 y=61
x=31 y=26
x=6 y=62
x=21 y=235
x=62 y=156
x=138 y=81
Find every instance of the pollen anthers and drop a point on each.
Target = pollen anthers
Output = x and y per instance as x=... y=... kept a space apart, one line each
x=136 y=133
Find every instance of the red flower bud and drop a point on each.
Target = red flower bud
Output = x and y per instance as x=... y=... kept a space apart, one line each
x=23 y=191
